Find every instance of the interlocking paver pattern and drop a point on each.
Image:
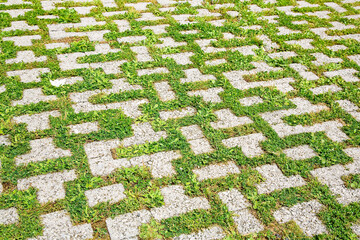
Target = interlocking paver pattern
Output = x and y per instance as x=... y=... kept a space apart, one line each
x=179 y=119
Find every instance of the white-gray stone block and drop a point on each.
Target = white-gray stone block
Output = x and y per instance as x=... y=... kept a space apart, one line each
x=237 y=80
x=226 y=119
x=66 y=81
x=22 y=41
x=157 y=29
x=356 y=229
x=320 y=14
x=112 y=194
x=35 y=122
x=184 y=112
x=126 y=226
x=332 y=177
x=5 y=140
x=159 y=163
x=58 y=225
x=284 y=55
x=140 y=6
x=9 y=216
x=164 y=91
x=331 y=128
x=304 y=215
x=142 y=54
x=14 y=13
x=236 y=203
x=350 y=108
x=26 y=56
x=50 y=186
x=20 y=25
x=177 y=203
x=131 y=39
x=212 y=233
x=300 y=152
x=113 y=13
x=194 y=75
x=169 y=42
x=29 y=75
x=325 y=89
x=336 y=48
x=58 y=31
x=304 y=43
x=249 y=144
x=198 y=143
x=249 y=101
x=100 y=158
x=160 y=70
x=41 y=150
x=348 y=75
x=216 y=171
x=303 y=72
x=33 y=95
x=209 y=95
x=322 y=59
x=84 y=128
x=143 y=133
x=180 y=58
x=336 y=7
x=286 y=31
x=275 y=179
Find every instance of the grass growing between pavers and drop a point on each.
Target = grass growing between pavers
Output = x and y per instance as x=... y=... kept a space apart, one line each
x=97 y=49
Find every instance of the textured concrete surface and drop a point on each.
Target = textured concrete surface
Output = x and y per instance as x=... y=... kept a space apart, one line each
x=179 y=119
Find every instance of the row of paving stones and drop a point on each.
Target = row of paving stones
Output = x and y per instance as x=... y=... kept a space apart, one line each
x=50 y=187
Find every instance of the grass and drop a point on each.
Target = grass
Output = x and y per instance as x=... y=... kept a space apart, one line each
x=142 y=190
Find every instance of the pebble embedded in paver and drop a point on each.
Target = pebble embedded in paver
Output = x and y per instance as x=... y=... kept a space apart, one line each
x=179 y=119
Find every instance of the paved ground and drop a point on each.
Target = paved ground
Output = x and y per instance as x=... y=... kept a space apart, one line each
x=198 y=119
